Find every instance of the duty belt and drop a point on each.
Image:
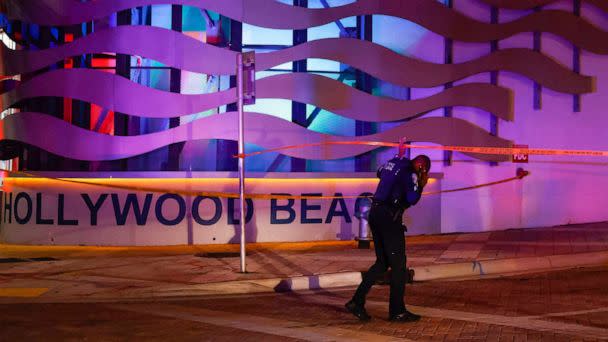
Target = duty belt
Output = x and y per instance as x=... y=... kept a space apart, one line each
x=395 y=211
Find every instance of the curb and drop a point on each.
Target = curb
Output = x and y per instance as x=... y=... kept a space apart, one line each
x=273 y=285
x=506 y=266
x=422 y=273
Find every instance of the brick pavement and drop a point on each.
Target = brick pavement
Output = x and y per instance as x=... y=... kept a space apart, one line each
x=77 y=322
x=535 y=307
x=89 y=271
x=518 y=298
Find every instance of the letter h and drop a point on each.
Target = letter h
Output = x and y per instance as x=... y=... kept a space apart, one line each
x=8 y=206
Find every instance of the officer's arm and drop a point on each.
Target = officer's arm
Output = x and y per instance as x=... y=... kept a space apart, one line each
x=379 y=171
x=414 y=191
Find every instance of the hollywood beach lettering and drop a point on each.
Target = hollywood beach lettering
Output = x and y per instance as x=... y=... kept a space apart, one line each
x=24 y=208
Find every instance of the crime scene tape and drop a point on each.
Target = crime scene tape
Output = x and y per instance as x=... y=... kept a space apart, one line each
x=464 y=149
x=520 y=175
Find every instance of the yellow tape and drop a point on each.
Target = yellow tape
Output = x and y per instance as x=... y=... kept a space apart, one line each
x=464 y=149
x=250 y=196
x=23 y=292
x=514 y=150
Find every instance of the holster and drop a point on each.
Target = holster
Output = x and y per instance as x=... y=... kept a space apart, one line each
x=395 y=211
x=397 y=214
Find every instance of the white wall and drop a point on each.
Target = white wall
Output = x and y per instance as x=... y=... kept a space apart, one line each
x=560 y=190
x=26 y=220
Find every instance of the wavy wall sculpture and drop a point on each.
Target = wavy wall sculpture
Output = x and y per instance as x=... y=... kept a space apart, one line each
x=272 y=14
x=116 y=93
x=377 y=60
x=62 y=138
x=530 y=4
x=329 y=94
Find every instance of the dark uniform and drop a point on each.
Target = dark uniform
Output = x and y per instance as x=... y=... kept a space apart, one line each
x=397 y=190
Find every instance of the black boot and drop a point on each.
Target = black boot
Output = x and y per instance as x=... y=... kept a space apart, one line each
x=405 y=316
x=357 y=310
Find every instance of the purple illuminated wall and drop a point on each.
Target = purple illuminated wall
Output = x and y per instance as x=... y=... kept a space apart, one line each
x=120 y=95
x=505 y=74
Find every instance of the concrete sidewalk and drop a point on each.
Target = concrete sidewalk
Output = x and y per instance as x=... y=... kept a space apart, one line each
x=50 y=274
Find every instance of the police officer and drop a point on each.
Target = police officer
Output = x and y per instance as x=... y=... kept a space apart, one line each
x=400 y=186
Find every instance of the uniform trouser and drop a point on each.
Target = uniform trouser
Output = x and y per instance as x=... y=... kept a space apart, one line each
x=389 y=245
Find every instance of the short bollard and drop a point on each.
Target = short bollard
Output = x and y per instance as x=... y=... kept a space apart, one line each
x=362 y=214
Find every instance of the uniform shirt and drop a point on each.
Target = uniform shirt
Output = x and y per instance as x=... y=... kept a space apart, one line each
x=398 y=183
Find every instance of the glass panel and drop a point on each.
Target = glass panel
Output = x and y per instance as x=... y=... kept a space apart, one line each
x=339 y=165
x=161 y=16
x=331 y=3
x=263 y=36
x=280 y=108
x=153 y=78
x=274 y=161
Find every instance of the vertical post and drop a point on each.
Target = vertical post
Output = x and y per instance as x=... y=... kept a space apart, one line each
x=227 y=148
x=365 y=83
x=123 y=68
x=239 y=90
x=298 y=109
x=448 y=58
x=494 y=77
x=576 y=59
x=175 y=79
x=537 y=42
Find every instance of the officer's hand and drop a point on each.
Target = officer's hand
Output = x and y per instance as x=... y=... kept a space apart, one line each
x=423 y=178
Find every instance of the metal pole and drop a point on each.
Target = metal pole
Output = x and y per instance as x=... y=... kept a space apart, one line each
x=239 y=89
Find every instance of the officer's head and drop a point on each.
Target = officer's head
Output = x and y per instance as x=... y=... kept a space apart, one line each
x=422 y=163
